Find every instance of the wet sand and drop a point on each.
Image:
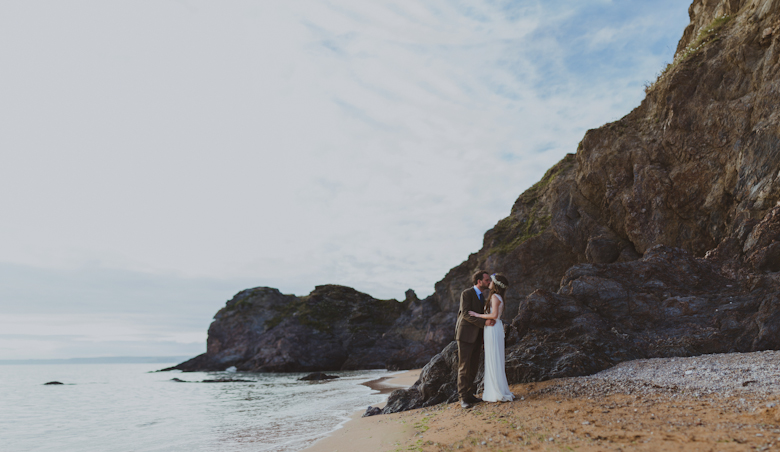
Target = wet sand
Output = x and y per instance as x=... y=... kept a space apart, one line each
x=371 y=433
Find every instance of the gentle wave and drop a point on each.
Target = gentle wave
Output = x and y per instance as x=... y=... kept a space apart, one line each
x=124 y=407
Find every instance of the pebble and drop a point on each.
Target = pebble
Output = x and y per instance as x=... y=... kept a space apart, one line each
x=722 y=374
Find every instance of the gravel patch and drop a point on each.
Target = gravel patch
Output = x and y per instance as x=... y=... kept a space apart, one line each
x=726 y=375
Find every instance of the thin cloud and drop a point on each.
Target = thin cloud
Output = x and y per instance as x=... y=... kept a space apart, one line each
x=291 y=144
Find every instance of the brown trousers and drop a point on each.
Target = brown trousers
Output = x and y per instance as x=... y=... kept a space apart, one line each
x=468 y=365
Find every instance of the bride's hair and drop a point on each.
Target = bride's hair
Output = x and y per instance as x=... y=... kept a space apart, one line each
x=498 y=281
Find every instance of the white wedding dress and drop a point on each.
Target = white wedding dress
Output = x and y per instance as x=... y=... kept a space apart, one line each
x=496 y=387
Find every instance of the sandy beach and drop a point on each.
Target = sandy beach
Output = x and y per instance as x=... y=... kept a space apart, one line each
x=723 y=402
x=372 y=433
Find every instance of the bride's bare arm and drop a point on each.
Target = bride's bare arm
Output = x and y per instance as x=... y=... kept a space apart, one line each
x=493 y=310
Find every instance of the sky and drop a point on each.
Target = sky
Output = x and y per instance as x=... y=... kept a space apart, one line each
x=157 y=157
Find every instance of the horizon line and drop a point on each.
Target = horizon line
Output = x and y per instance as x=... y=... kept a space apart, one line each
x=100 y=360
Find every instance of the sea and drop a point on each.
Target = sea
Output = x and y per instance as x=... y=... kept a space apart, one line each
x=130 y=407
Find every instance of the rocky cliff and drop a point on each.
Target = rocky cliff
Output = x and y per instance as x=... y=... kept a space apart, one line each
x=332 y=328
x=658 y=237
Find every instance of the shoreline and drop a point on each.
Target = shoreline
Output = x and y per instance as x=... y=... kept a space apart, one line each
x=723 y=402
x=359 y=433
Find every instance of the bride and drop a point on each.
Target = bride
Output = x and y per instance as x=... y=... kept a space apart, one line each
x=496 y=387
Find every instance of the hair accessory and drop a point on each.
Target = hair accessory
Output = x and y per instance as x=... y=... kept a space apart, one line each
x=497 y=282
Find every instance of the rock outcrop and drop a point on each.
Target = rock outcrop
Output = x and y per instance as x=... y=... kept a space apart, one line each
x=317 y=376
x=332 y=328
x=695 y=162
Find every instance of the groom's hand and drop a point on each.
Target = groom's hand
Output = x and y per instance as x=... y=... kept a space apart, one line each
x=490 y=322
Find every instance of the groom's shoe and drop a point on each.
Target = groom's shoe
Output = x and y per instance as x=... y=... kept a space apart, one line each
x=465 y=405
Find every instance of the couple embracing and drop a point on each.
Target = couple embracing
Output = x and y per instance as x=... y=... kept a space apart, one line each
x=479 y=321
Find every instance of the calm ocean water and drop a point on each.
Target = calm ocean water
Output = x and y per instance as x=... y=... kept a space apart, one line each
x=123 y=407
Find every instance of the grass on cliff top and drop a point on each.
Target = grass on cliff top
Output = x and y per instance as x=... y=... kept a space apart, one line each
x=519 y=231
x=706 y=35
x=323 y=315
x=531 y=195
x=514 y=230
x=283 y=312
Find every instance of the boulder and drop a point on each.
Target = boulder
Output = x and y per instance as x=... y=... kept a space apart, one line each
x=372 y=411
x=317 y=376
x=227 y=380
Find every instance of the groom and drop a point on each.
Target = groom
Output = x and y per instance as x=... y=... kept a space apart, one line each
x=468 y=333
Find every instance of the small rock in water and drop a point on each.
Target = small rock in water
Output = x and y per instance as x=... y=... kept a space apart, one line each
x=316 y=376
x=53 y=383
x=372 y=411
x=227 y=380
x=178 y=380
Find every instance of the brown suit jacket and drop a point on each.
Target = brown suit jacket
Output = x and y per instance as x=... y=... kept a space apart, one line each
x=469 y=328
